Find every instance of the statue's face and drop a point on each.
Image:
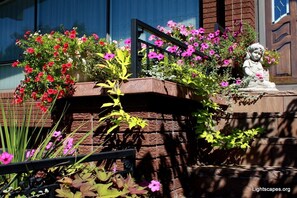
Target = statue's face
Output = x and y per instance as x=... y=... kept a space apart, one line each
x=256 y=55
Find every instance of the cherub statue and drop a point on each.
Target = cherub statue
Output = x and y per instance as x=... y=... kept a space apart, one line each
x=255 y=77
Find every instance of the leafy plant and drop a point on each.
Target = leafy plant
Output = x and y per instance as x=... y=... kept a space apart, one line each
x=271 y=58
x=51 y=62
x=206 y=129
x=118 y=69
x=93 y=181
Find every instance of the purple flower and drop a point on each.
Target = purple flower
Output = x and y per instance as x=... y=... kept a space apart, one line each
x=108 y=56
x=6 y=158
x=154 y=185
x=238 y=81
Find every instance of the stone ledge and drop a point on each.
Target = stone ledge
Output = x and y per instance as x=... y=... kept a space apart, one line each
x=138 y=86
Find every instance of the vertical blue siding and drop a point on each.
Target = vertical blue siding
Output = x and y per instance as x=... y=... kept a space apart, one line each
x=10 y=77
x=153 y=12
x=88 y=15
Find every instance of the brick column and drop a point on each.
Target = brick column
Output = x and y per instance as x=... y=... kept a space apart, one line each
x=240 y=10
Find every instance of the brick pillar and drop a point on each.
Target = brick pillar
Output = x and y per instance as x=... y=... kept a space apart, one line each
x=209 y=14
x=234 y=10
x=240 y=10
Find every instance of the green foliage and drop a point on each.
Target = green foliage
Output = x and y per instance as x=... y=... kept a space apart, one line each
x=93 y=181
x=206 y=129
x=52 y=60
x=118 y=69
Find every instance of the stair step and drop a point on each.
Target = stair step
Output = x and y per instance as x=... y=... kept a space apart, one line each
x=272 y=152
x=243 y=181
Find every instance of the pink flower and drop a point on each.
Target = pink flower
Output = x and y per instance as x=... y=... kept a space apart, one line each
x=154 y=185
x=6 y=158
x=171 y=24
x=108 y=56
x=160 y=56
x=49 y=145
x=226 y=62
x=224 y=84
x=127 y=41
x=259 y=76
x=152 y=55
x=114 y=169
x=159 y=43
x=238 y=81
x=96 y=37
x=30 y=153
x=56 y=133
x=172 y=49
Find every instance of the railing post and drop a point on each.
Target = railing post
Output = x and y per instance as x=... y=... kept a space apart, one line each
x=134 y=50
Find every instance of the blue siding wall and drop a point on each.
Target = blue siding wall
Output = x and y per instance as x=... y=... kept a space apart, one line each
x=152 y=12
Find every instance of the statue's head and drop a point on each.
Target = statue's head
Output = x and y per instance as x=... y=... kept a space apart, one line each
x=255 y=52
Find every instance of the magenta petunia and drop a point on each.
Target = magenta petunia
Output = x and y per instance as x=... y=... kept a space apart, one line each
x=224 y=84
x=109 y=56
x=152 y=55
x=154 y=185
x=6 y=158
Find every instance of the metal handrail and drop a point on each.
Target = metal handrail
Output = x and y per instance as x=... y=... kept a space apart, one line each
x=137 y=28
x=22 y=167
x=128 y=155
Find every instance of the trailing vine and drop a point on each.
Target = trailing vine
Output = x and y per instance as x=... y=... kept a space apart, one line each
x=117 y=67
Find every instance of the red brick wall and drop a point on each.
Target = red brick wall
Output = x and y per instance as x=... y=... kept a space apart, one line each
x=165 y=148
x=234 y=10
x=20 y=110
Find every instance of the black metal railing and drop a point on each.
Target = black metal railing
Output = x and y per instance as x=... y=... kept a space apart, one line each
x=127 y=156
x=137 y=28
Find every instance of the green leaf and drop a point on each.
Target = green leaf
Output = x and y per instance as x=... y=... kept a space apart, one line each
x=108 y=104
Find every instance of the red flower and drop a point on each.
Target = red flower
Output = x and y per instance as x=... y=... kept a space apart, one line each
x=56 y=47
x=72 y=36
x=50 y=78
x=15 y=64
x=30 y=50
x=39 y=39
x=52 y=91
x=18 y=100
x=84 y=39
x=101 y=43
x=33 y=95
x=28 y=69
x=50 y=64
